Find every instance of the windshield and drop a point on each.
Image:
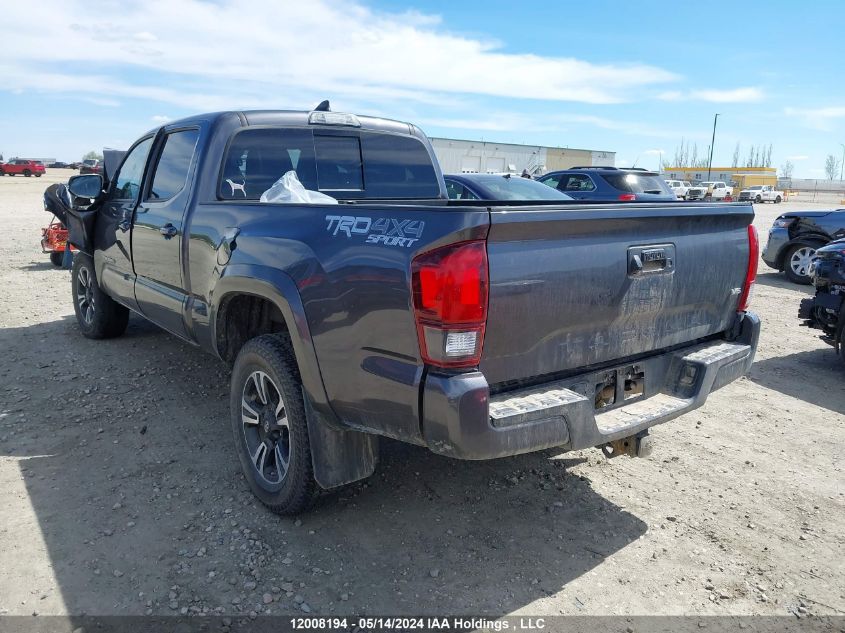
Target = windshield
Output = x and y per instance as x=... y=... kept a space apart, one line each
x=637 y=183
x=515 y=188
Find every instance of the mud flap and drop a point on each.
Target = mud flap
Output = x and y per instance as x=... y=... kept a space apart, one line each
x=339 y=457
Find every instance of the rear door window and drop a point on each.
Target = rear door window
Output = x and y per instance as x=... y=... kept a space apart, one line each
x=578 y=182
x=171 y=172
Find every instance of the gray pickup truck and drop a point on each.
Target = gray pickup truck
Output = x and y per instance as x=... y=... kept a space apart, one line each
x=479 y=329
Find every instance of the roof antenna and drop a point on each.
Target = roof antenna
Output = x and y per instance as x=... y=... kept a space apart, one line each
x=323 y=107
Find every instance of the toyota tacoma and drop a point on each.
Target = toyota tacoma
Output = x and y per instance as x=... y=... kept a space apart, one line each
x=364 y=303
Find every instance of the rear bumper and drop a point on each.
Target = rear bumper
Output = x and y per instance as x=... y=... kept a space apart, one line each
x=774 y=245
x=462 y=420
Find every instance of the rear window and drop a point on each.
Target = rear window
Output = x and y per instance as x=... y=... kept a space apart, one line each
x=517 y=188
x=258 y=157
x=339 y=164
x=636 y=183
x=345 y=165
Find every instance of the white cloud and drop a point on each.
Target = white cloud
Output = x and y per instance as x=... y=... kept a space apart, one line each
x=160 y=118
x=823 y=119
x=319 y=48
x=733 y=95
x=515 y=123
x=736 y=95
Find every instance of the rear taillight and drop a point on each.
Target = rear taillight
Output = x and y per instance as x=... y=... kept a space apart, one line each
x=628 y=197
x=450 y=287
x=751 y=271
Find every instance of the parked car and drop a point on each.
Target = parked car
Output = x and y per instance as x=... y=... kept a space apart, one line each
x=91 y=166
x=21 y=166
x=498 y=187
x=794 y=238
x=478 y=331
x=761 y=193
x=679 y=188
x=609 y=184
x=710 y=190
x=59 y=165
x=826 y=310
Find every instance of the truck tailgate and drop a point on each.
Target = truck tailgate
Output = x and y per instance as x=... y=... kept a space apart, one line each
x=577 y=286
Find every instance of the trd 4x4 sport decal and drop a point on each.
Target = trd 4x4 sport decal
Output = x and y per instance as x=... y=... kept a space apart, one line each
x=387 y=231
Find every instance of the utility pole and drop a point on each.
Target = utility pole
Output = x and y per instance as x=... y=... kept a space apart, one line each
x=712 y=143
x=842 y=164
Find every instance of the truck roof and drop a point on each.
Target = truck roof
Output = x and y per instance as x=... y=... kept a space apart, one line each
x=301 y=118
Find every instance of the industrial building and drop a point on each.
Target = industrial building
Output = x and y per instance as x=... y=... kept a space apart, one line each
x=457 y=156
x=741 y=177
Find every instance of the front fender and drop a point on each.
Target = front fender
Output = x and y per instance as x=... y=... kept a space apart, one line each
x=277 y=287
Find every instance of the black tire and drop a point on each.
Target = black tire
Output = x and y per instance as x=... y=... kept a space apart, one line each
x=795 y=273
x=778 y=200
x=98 y=315
x=268 y=429
x=38 y=175
x=57 y=257
x=27 y=173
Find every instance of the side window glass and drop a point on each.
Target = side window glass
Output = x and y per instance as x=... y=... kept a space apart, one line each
x=128 y=182
x=171 y=172
x=551 y=181
x=454 y=190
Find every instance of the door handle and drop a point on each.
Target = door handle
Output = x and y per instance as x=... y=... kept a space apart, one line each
x=168 y=230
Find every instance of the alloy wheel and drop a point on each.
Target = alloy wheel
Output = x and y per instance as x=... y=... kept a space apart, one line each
x=266 y=428
x=85 y=295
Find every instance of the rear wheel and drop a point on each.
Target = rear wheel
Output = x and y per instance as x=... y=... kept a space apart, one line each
x=797 y=263
x=57 y=257
x=269 y=425
x=27 y=173
x=758 y=199
x=98 y=315
x=778 y=200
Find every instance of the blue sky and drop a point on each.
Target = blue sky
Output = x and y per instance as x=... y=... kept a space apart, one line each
x=634 y=78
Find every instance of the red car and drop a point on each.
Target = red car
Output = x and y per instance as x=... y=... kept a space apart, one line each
x=22 y=166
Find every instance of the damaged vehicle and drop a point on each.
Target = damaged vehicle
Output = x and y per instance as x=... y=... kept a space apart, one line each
x=826 y=310
x=318 y=254
x=794 y=238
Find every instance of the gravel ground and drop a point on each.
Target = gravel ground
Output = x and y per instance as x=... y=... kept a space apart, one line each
x=121 y=492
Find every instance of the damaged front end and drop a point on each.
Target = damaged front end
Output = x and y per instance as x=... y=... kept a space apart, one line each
x=826 y=310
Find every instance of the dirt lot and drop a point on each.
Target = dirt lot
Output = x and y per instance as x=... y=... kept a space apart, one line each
x=121 y=493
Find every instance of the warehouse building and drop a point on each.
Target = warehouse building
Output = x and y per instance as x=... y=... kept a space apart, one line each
x=459 y=156
x=741 y=177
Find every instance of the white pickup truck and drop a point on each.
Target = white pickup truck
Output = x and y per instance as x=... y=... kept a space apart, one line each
x=709 y=190
x=679 y=188
x=761 y=193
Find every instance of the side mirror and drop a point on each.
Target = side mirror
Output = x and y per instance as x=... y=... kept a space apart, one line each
x=86 y=186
